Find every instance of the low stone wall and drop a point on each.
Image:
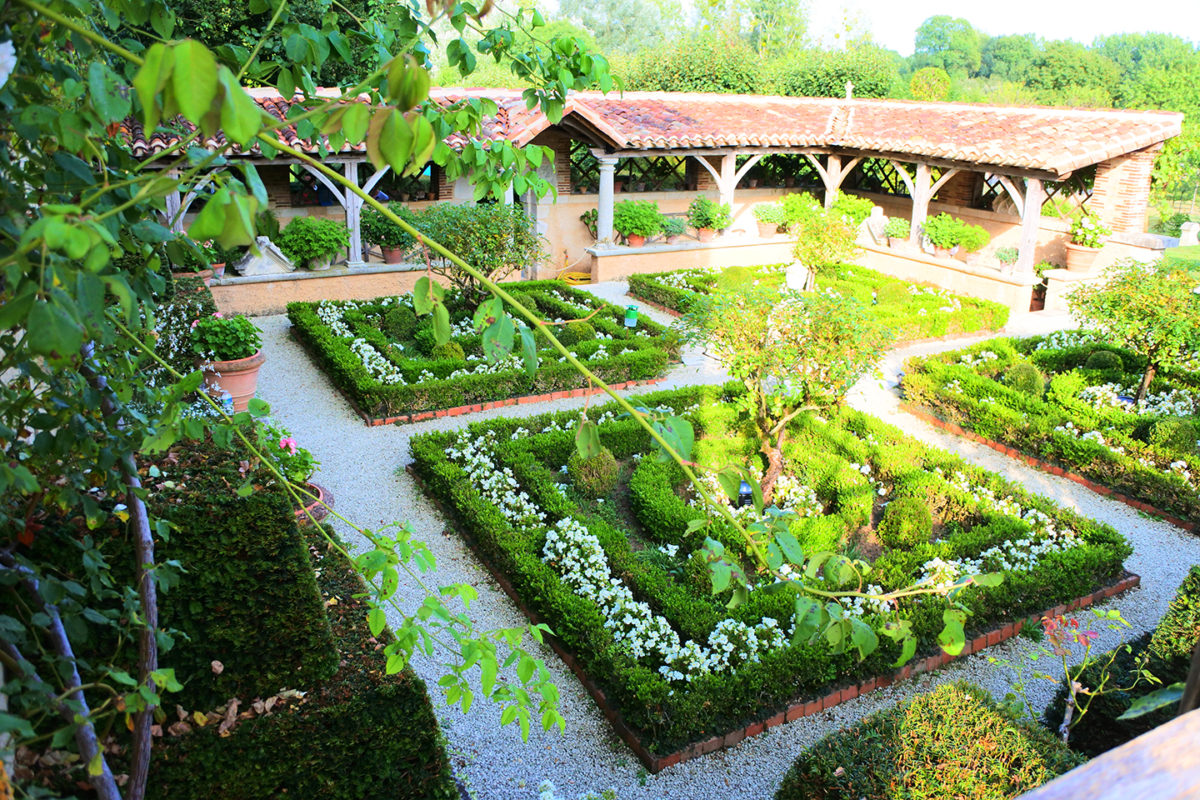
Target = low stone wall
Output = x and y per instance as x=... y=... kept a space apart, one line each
x=611 y=263
x=988 y=283
x=270 y=294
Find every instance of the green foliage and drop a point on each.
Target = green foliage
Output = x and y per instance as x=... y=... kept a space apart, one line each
x=1104 y=360
x=705 y=212
x=595 y=476
x=953 y=742
x=358 y=733
x=577 y=331
x=973 y=238
x=930 y=84
x=799 y=207
x=824 y=240
x=897 y=228
x=949 y=232
x=495 y=238
x=1027 y=378
x=1178 y=631
x=1007 y=255
x=769 y=213
x=637 y=217
x=307 y=240
x=906 y=523
x=449 y=350
x=378 y=230
x=296 y=463
x=708 y=62
x=949 y=43
x=222 y=338
x=672 y=226
x=400 y=322
x=1088 y=231
x=824 y=73
x=856 y=208
x=1175 y=434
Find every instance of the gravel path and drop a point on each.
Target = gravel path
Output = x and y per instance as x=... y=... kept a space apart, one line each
x=361 y=466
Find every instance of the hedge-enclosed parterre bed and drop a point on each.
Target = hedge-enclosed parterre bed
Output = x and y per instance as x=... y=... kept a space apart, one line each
x=911 y=311
x=384 y=358
x=677 y=664
x=1067 y=399
x=948 y=744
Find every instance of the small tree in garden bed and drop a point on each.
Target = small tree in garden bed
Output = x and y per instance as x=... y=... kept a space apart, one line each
x=824 y=240
x=496 y=238
x=1154 y=312
x=793 y=352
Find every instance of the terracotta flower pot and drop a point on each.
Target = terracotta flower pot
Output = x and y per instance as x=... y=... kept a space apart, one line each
x=766 y=230
x=393 y=255
x=314 y=510
x=706 y=234
x=238 y=378
x=204 y=275
x=675 y=238
x=218 y=270
x=943 y=252
x=1080 y=258
x=320 y=264
x=634 y=240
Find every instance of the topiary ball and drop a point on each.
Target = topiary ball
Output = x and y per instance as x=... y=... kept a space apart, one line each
x=399 y=323
x=1025 y=377
x=906 y=523
x=1175 y=434
x=1104 y=360
x=449 y=350
x=576 y=332
x=596 y=476
x=525 y=300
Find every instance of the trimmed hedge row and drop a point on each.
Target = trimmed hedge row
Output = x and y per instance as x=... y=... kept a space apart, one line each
x=910 y=310
x=358 y=735
x=948 y=744
x=982 y=398
x=664 y=717
x=631 y=355
x=1169 y=649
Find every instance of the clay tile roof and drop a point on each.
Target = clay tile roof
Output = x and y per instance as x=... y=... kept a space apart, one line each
x=1055 y=140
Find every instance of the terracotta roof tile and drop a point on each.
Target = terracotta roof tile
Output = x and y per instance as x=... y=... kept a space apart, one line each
x=1056 y=140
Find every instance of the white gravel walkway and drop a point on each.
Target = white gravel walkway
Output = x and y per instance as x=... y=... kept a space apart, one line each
x=361 y=467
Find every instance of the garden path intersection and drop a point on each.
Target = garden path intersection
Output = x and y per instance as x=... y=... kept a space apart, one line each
x=363 y=467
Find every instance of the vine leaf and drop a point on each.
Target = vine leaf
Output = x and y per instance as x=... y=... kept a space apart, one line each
x=529 y=351
x=953 y=637
x=587 y=438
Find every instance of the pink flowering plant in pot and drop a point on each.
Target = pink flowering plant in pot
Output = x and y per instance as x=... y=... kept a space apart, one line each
x=295 y=462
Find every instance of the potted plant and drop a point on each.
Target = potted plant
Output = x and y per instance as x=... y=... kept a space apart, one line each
x=297 y=465
x=229 y=351
x=389 y=237
x=896 y=229
x=673 y=228
x=707 y=217
x=972 y=239
x=189 y=259
x=1007 y=256
x=635 y=220
x=590 y=220
x=769 y=217
x=1087 y=237
x=313 y=242
x=944 y=233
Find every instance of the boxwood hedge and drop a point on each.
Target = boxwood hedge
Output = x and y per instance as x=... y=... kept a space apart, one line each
x=665 y=716
x=429 y=383
x=911 y=311
x=968 y=387
x=951 y=743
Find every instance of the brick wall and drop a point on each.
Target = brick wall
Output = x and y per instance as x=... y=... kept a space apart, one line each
x=1122 y=191
x=703 y=178
x=961 y=189
x=443 y=187
x=277 y=178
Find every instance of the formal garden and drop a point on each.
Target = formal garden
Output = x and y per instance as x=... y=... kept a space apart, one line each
x=788 y=570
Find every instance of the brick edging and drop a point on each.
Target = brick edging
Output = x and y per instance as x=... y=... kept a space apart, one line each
x=1045 y=466
x=794 y=711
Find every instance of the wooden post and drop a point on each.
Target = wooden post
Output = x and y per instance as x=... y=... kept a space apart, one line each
x=921 y=193
x=1031 y=222
x=353 y=205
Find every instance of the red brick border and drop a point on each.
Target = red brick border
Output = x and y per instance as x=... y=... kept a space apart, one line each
x=1046 y=466
x=797 y=709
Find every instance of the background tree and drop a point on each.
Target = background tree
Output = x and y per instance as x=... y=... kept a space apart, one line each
x=621 y=26
x=1153 y=311
x=794 y=353
x=873 y=70
x=930 y=84
x=1008 y=57
x=950 y=43
x=1067 y=70
x=777 y=27
x=708 y=62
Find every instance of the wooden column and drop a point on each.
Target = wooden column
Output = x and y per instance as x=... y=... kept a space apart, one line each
x=832 y=174
x=920 y=191
x=1031 y=222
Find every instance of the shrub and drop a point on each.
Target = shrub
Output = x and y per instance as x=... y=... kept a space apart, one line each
x=378 y=230
x=944 y=231
x=856 y=208
x=399 y=323
x=708 y=62
x=973 y=238
x=824 y=240
x=225 y=338
x=1025 y=377
x=673 y=226
x=906 y=523
x=306 y=240
x=185 y=255
x=1007 y=255
x=824 y=73
x=637 y=218
x=1104 y=360
x=1174 y=434
x=799 y=206
x=707 y=213
x=452 y=350
x=576 y=332
x=953 y=742
x=897 y=228
x=1088 y=231
x=769 y=213
x=595 y=476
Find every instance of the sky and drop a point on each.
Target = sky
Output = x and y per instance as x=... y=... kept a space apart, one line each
x=893 y=23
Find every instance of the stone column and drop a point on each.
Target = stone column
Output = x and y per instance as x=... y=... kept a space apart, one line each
x=604 y=220
x=1031 y=222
